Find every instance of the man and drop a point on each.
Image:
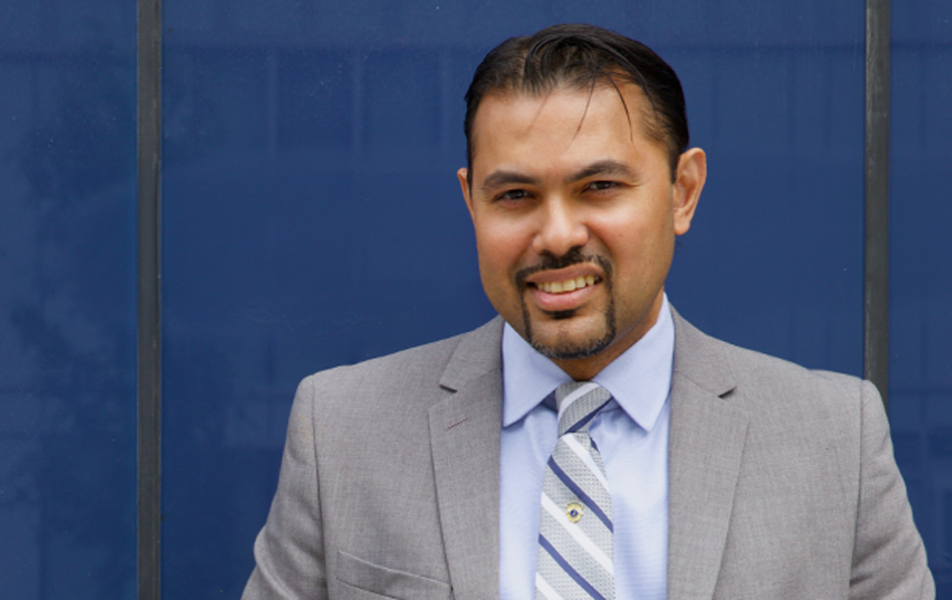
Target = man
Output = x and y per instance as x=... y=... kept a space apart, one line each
x=699 y=470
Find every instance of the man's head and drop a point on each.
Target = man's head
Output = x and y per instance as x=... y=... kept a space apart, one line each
x=577 y=188
x=581 y=57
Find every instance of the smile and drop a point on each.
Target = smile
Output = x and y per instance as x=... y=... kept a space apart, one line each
x=569 y=285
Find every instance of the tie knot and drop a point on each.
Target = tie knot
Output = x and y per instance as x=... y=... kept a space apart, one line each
x=578 y=402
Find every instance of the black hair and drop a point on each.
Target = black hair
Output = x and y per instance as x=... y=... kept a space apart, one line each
x=580 y=57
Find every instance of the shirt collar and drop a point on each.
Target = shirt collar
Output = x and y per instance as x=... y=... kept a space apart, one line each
x=639 y=379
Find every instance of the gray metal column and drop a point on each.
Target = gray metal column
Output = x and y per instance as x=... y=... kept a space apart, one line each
x=876 y=310
x=149 y=150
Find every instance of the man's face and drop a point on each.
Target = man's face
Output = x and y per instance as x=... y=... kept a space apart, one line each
x=576 y=215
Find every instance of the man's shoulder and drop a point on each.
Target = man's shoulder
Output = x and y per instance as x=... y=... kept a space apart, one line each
x=759 y=381
x=759 y=367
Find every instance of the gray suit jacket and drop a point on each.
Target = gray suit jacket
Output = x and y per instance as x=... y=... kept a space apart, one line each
x=782 y=481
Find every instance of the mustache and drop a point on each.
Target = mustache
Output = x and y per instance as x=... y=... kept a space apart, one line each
x=550 y=262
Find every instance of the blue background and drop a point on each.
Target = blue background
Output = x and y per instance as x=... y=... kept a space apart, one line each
x=311 y=217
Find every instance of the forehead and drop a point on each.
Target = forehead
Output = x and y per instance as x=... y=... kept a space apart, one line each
x=562 y=122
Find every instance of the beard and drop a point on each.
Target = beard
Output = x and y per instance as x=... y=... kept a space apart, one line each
x=568 y=349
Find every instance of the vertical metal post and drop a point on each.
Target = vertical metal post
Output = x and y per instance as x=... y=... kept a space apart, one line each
x=876 y=310
x=149 y=154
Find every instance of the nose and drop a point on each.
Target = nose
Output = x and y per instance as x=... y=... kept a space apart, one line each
x=561 y=228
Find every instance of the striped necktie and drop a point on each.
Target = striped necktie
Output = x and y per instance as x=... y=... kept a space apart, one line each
x=575 y=528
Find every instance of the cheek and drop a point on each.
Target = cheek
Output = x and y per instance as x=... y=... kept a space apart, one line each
x=500 y=246
x=621 y=237
x=635 y=246
x=636 y=226
x=494 y=262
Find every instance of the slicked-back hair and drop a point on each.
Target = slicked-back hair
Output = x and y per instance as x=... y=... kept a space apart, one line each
x=581 y=57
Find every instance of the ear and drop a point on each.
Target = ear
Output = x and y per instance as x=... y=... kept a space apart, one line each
x=467 y=192
x=688 y=183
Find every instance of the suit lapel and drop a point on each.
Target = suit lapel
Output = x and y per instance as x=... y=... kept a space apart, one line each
x=464 y=440
x=705 y=447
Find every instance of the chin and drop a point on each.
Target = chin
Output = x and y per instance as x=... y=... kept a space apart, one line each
x=572 y=349
x=569 y=335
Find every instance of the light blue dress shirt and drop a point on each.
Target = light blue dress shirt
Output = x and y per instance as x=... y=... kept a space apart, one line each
x=631 y=433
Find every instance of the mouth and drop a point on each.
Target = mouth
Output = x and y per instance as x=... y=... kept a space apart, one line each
x=562 y=286
x=561 y=294
x=566 y=285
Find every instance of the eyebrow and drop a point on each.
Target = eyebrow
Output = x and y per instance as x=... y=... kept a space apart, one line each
x=502 y=178
x=607 y=167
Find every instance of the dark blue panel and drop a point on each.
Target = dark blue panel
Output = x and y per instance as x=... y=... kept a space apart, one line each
x=312 y=215
x=774 y=258
x=920 y=407
x=67 y=300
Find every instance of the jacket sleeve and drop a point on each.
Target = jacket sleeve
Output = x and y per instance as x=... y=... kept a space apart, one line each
x=889 y=559
x=289 y=549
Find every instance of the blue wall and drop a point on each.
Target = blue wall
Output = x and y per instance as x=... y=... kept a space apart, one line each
x=920 y=409
x=311 y=217
x=67 y=300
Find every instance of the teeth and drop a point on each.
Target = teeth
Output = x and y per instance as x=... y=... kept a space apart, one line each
x=557 y=287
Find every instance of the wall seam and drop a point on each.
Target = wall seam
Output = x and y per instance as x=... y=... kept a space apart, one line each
x=148 y=375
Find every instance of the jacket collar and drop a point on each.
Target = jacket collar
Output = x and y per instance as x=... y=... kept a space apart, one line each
x=705 y=447
x=464 y=442
x=706 y=443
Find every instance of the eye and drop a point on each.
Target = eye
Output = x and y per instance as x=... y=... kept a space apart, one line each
x=599 y=186
x=513 y=195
